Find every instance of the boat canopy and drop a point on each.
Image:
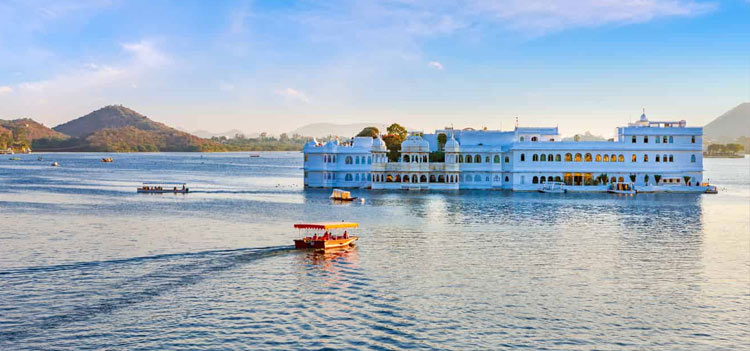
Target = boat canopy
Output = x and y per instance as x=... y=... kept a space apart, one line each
x=326 y=225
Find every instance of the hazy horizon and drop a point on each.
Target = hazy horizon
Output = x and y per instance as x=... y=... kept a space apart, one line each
x=275 y=66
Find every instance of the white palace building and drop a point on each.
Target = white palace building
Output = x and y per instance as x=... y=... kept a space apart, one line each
x=654 y=156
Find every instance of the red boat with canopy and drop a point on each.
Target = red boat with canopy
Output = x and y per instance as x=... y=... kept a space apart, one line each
x=323 y=236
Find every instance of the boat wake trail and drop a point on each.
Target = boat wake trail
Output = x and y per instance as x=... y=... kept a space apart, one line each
x=36 y=299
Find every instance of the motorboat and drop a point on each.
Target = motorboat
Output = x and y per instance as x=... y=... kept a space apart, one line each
x=163 y=187
x=711 y=189
x=55 y=164
x=553 y=188
x=621 y=188
x=326 y=235
x=108 y=159
x=342 y=195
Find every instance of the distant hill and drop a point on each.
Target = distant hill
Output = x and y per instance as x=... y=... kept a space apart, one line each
x=319 y=130
x=33 y=129
x=585 y=137
x=119 y=129
x=731 y=125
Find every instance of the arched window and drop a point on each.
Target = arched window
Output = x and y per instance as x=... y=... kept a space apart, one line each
x=535 y=180
x=620 y=179
x=692 y=158
x=369 y=177
x=671 y=158
x=665 y=139
x=468 y=158
x=406 y=158
x=477 y=178
x=598 y=158
x=658 y=140
x=557 y=158
x=414 y=178
x=621 y=158
x=633 y=139
x=692 y=139
x=522 y=139
x=645 y=158
x=549 y=179
x=613 y=158
x=369 y=160
x=496 y=178
x=550 y=158
x=424 y=158
x=613 y=179
x=460 y=158
x=507 y=159
x=534 y=158
x=467 y=178
x=441 y=179
x=578 y=157
x=542 y=180
x=533 y=138
x=645 y=139
x=568 y=157
x=477 y=159
x=496 y=159
x=506 y=179
x=423 y=179
x=664 y=158
x=543 y=158
x=523 y=157
x=348 y=177
x=348 y=160
x=398 y=178
x=606 y=158
x=558 y=179
x=671 y=140
x=587 y=157
x=633 y=158
x=657 y=158
x=356 y=177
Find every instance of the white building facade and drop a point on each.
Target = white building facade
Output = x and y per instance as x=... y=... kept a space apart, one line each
x=654 y=156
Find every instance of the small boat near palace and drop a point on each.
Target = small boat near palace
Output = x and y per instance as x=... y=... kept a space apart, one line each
x=108 y=159
x=55 y=164
x=342 y=195
x=711 y=189
x=15 y=159
x=254 y=155
x=324 y=236
x=553 y=188
x=163 y=187
x=621 y=188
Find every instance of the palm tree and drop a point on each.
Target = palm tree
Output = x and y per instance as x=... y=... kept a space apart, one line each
x=686 y=178
x=645 y=179
x=657 y=178
x=632 y=178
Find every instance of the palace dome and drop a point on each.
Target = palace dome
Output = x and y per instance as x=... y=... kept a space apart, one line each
x=378 y=144
x=415 y=143
x=451 y=145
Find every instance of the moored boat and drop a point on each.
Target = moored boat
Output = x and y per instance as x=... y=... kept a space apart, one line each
x=324 y=236
x=163 y=187
x=553 y=188
x=108 y=159
x=342 y=195
x=621 y=188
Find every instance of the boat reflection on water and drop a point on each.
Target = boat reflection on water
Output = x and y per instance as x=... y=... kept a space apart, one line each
x=329 y=257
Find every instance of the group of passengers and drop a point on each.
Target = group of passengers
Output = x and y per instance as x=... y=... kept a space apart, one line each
x=329 y=236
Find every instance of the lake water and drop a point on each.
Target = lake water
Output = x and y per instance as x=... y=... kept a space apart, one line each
x=86 y=263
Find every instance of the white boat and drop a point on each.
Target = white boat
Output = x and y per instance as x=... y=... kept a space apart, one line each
x=553 y=188
x=621 y=188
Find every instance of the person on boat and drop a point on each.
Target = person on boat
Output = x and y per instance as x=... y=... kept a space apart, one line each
x=346 y=235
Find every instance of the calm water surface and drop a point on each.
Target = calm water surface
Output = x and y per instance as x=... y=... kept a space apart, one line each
x=86 y=263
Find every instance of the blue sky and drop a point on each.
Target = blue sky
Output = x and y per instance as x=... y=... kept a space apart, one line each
x=277 y=65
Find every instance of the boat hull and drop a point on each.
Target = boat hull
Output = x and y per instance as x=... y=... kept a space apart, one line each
x=178 y=191
x=621 y=192
x=324 y=244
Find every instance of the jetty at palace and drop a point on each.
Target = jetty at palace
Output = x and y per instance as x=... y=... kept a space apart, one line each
x=650 y=155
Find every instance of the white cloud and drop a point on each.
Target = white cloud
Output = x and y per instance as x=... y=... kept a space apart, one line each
x=435 y=65
x=293 y=94
x=553 y=15
x=145 y=52
x=5 y=90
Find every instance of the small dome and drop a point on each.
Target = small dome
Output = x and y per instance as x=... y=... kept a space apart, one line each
x=451 y=145
x=415 y=143
x=643 y=116
x=378 y=144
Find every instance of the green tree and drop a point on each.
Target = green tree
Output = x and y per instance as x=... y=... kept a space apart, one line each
x=283 y=138
x=442 y=139
x=393 y=144
x=632 y=178
x=686 y=179
x=397 y=129
x=369 y=132
x=645 y=179
x=657 y=178
x=734 y=148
